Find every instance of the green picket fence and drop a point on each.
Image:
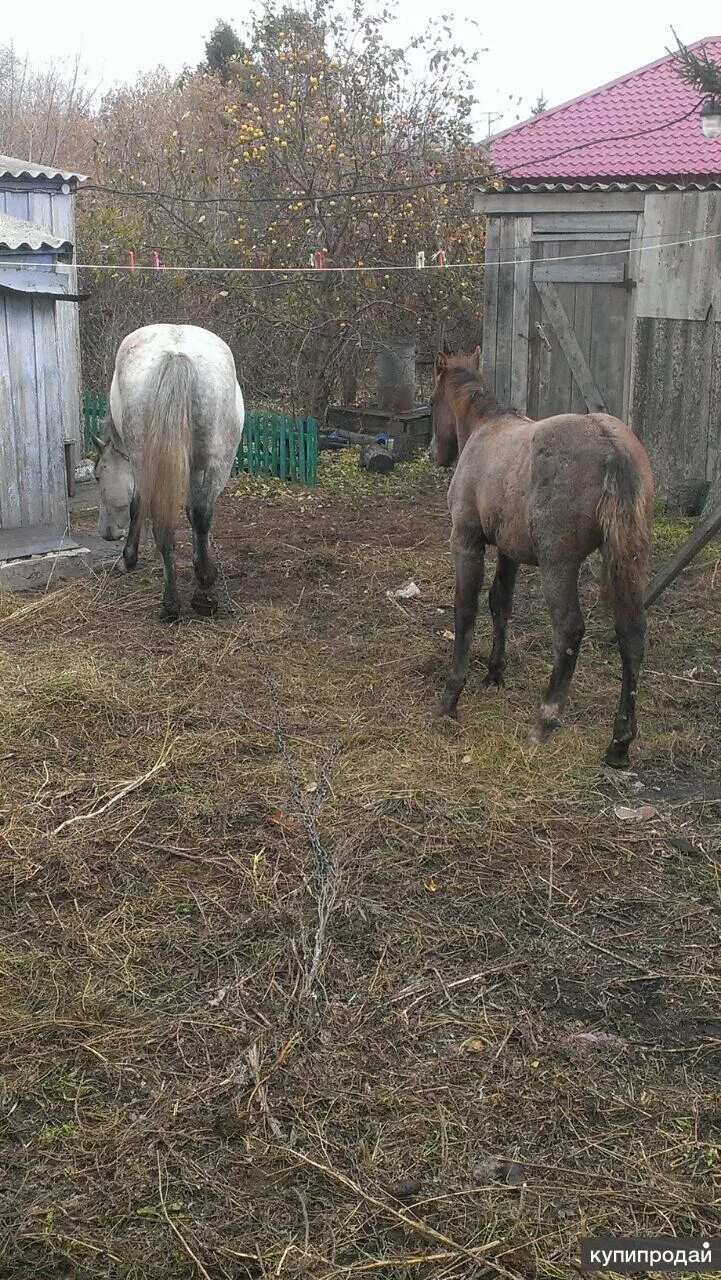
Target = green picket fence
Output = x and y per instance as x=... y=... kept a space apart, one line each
x=276 y=445
x=273 y=444
x=95 y=405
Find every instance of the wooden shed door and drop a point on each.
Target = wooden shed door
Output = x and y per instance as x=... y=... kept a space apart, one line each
x=579 y=318
x=33 y=479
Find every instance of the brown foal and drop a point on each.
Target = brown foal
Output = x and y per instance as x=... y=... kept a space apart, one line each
x=547 y=493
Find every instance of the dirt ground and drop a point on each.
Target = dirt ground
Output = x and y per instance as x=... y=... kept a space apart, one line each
x=474 y=1023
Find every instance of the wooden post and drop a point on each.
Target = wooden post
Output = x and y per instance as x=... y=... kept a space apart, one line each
x=705 y=530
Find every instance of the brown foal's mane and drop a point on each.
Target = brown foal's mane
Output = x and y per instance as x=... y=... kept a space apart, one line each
x=468 y=391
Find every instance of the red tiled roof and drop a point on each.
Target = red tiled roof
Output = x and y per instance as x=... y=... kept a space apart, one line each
x=589 y=138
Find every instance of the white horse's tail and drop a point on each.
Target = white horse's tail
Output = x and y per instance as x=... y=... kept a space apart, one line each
x=166 y=453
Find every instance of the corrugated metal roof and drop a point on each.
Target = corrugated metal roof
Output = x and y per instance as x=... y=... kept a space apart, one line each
x=16 y=234
x=646 y=125
x=519 y=188
x=10 y=167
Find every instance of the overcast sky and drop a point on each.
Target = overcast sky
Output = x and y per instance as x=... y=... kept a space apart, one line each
x=558 y=47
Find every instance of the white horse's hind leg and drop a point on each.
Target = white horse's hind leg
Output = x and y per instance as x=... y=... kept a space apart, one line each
x=171 y=599
x=201 y=506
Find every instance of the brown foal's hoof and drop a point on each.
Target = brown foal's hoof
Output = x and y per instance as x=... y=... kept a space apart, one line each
x=541 y=732
x=494 y=680
x=617 y=755
x=446 y=721
x=205 y=603
x=171 y=610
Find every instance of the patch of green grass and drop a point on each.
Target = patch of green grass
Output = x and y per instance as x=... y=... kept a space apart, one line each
x=340 y=475
x=55 y=1135
x=670 y=532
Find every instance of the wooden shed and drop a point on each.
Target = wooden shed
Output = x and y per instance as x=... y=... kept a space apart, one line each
x=39 y=354
x=602 y=286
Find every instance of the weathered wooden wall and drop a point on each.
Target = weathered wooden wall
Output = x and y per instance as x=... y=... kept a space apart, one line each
x=681 y=278
x=638 y=332
x=676 y=395
x=676 y=406
x=43 y=202
x=33 y=483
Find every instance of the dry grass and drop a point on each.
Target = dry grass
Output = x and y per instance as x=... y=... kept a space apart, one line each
x=176 y=1101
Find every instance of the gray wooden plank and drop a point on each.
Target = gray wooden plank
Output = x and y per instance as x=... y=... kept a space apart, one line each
x=582 y=321
x=691 y=345
x=628 y=320
x=573 y=235
x=545 y=343
x=649 y=404
x=23 y=380
x=504 y=331
x=705 y=255
x=490 y=300
x=675 y=261
x=545 y=354
x=635 y=267
x=588 y=224
x=68 y=326
x=534 y=345
x=10 y=515
x=17 y=203
x=35 y=280
x=44 y=410
x=521 y=302
x=649 y=262
x=608 y=351
x=53 y=468
x=560 y=385
x=35 y=540
x=609 y=270
x=525 y=203
x=559 y=320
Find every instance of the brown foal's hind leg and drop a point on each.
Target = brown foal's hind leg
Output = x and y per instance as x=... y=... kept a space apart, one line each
x=631 y=633
x=560 y=588
x=500 y=603
x=468 y=562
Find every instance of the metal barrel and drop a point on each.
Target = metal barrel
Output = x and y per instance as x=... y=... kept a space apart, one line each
x=396 y=374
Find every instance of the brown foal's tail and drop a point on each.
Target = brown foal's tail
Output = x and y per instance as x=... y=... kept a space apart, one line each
x=625 y=512
x=166 y=457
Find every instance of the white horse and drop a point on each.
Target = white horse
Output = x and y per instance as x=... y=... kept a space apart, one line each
x=175 y=423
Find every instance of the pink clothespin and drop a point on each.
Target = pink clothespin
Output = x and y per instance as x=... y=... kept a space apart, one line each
x=131 y=260
x=156 y=259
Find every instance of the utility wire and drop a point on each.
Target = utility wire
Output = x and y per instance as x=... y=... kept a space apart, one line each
x=342 y=193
